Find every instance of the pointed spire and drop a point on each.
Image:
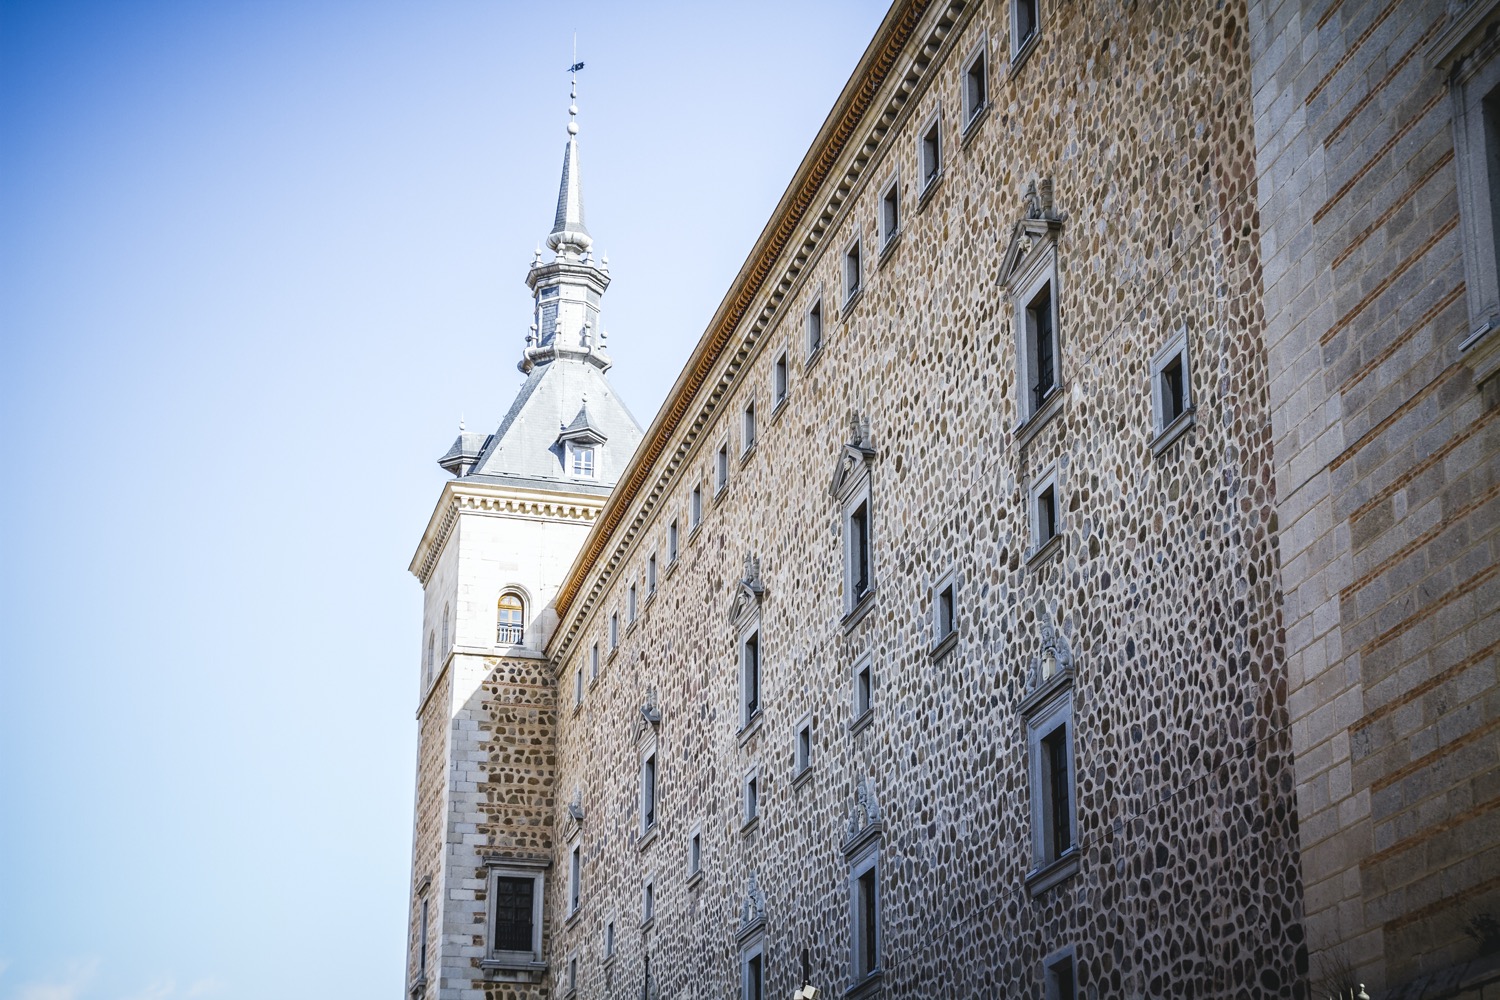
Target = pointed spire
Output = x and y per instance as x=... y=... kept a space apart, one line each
x=569 y=234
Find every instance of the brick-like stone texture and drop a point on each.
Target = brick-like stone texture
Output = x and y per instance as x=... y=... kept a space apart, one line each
x=1386 y=475
x=1165 y=584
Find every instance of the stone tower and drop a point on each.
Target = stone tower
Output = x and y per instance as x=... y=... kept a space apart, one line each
x=503 y=534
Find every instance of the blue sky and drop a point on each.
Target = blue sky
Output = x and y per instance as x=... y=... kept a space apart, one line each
x=256 y=260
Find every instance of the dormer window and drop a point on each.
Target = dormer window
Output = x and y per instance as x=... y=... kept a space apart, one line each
x=581 y=459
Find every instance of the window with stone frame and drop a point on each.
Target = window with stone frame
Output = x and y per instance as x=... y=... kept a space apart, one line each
x=649 y=780
x=609 y=939
x=1171 y=392
x=976 y=83
x=721 y=469
x=747 y=428
x=862 y=704
x=575 y=878
x=614 y=630
x=423 y=929
x=814 y=325
x=581 y=460
x=431 y=658
x=674 y=541
x=695 y=852
x=572 y=980
x=1045 y=508
x=695 y=507
x=853 y=269
x=1025 y=27
x=930 y=152
x=513 y=921
x=851 y=489
x=752 y=969
x=1467 y=52
x=632 y=604
x=864 y=917
x=447 y=644
x=750 y=791
x=750 y=664
x=802 y=747
x=578 y=688
x=594 y=662
x=648 y=901
x=944 y=613
x=780 y=381
x=650 y=575
x=1059 y=982
x=1052 y=779
x=889 y=218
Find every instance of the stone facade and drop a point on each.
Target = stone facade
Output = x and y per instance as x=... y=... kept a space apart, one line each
x=1386 y=473
x=1261 y=633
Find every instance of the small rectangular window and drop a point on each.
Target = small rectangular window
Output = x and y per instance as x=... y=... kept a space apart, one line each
x=1045 y=522
x=695 y=507
x=575 y=878
x=648 y=902
x=422 y=943
x=752 y=796
x=695 y=852
x=1025 y=22
x=748 y=429
x=1060 y=978
x=651 y=574
x=890 y=212
x=1054 y=823
x=779 y=382
x=754 y=984
x=648 y=792
x=577 y=688
x=614 y=630
x=749 y=678
x=803 y=750
x=864 y=689
x=609 y=940
x=853 y=271
x=815 y=327
x=513 y=912
x=944 y=612
x=976 y=83
x=594 y=662
x=572 y=973
x=1171 y=392
x=721 y=468
x=673 y=537
x=632 y=605
x=930 y=152
x=583 y=461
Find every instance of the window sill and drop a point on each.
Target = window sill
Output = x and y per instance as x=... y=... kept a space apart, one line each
x=971 y=128
x=780 y=406
x=861 y=608
x=513 y=969
x=929 y=189
x=749 y=452
x=572 y=918
x=693 y=531
x=1039 y=698
x=630 y=625
x=721 y=493
x=648 y=837
x=862 y=721
x=944 y=645
x=801 y=777
x=1028 y=429
x=749 y=825
x=614 y=650
x=1481 y=353
x=647 y=922
x=751 y=727
x=1176 y=429
x=695 y=879
x=866 y=986
x=417 y=986
x=888 y=248
x=1045 y=552
x=669 y=567
x=1021 y=54
x=813 y=357
x=1053 y=873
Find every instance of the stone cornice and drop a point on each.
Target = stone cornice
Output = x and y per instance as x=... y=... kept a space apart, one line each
x=696 y=390
x=459 y=497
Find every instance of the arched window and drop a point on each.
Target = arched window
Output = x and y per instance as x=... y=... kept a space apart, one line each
x=510 y=619
x=431 y=642
x=445 y=630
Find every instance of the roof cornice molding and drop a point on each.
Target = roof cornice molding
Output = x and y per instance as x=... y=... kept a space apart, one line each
x=488 y=499
x=835 y=141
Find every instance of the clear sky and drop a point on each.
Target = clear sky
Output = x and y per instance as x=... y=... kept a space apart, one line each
x=256 y=260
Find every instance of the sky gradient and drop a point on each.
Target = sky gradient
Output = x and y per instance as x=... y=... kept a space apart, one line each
x=256 y=261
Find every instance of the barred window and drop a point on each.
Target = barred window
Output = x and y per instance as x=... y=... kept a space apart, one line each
x=510 y=619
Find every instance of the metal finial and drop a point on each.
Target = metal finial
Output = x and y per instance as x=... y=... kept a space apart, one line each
x=460 y=423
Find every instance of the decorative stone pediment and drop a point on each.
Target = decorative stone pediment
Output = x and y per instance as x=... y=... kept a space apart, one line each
x=748 y=593
x=864 y=818
x=854 y=458
x=575 y=807
x=1036 y=229
x=650 y=711
x=753 y=910
x=1051 y=670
